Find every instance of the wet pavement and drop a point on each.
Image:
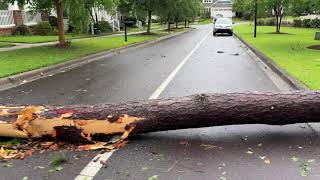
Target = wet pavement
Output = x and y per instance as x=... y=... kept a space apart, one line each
x=221 y=64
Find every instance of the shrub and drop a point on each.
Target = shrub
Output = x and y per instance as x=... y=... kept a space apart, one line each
x=315 y=23
x=261 y=22
x=22 y=30
x=53 y=21
x=155 y=20
x=297 y=23
x=131 y=18
x=103 y=27
x=270 y=22
x=306 y=23
x=247 y=16
x=43 y=28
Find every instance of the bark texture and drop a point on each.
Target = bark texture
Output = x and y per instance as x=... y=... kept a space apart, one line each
x=203 y=110
x=59 y=8
x=149 y=21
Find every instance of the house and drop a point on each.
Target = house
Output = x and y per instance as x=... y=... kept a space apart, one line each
x=13 y=17
x=219 y=8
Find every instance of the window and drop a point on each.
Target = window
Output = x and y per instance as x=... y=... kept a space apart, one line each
x=207 y=1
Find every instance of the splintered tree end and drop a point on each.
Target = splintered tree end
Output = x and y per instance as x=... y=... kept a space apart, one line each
x=39 y=121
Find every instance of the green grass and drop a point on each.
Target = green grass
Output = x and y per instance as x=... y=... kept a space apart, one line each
x=22 y=60
x=205 y=21
x=3 y=45
x=289 y=51
x=154 y=27
x=36 y=38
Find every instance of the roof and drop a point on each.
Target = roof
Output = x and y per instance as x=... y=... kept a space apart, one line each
x=223 y=2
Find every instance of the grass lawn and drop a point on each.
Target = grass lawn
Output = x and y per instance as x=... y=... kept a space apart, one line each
x=2 y=45
x=22 y=60
x=154 y=26
x=289 y=50
x=35 y=38
x=205 y=21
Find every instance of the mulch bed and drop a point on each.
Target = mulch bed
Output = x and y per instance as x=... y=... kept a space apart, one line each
x=280 y=33
x=315 y=47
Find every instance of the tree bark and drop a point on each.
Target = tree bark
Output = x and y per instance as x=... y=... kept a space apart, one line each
x=59 y=9
x=204 y=110
x=149 y=22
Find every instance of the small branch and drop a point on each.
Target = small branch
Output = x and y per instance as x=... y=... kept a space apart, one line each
x=172 y=167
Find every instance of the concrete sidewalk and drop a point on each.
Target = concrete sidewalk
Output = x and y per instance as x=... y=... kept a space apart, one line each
x=31 y=45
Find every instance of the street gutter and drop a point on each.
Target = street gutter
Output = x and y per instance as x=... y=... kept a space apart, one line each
x=22 y=78
x=293 y=82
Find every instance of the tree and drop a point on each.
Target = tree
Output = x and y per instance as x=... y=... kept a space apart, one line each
x=79 y=11
x=245 y=9
x=3 y=5
x=202 y=110
x=84 y=12
x=149 y=6
x=171 y=11
x=279 y=8
x=304 y=7
x=185 y=10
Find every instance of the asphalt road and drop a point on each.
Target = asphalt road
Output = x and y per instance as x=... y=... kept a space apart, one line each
x=220 y=64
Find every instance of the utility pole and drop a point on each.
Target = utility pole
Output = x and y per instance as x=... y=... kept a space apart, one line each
x=255 y=18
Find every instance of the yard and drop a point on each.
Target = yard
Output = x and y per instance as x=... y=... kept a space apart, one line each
x=3 y=45
x=205 y=21
x=18 y=61
x=154 y=27
x=22 y=60
x=36 y=38
x=50 y=38
x=288 y=50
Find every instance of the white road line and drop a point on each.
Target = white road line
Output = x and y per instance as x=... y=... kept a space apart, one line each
x=94 y=166
x=165 y=84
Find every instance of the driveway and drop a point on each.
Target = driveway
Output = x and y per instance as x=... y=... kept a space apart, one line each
x=195 y=62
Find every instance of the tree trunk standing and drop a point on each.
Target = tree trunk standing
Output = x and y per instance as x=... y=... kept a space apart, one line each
x=96 y=14
x=62 y=40
x=280 y=22
x=196 y=111
x=185 y=23
x=169 y=22
x=149 y=22
x=177 y=24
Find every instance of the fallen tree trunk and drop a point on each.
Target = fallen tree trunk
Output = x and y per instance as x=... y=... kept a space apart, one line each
x=195 y=111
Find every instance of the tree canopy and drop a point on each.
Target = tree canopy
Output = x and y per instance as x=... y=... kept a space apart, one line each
x=167 y=10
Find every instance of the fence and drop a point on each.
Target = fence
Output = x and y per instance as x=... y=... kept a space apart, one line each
x=116 y=25
x=6 y=19
x=30 y=19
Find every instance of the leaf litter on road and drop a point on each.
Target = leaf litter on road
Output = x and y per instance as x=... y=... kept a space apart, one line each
x=295 y=159
x=58 y=160
x=305 y=168
x=267 y=161
x=250 y=152
x=154 y=177
x=20 y=149
x=305 y=165
x=7 y=165
x=209 y=146
x=184 y=143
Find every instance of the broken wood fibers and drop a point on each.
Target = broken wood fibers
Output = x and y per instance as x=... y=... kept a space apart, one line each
x=34 y=122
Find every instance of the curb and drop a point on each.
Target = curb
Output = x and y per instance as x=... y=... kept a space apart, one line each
x=293 y=82
x=22 y=78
